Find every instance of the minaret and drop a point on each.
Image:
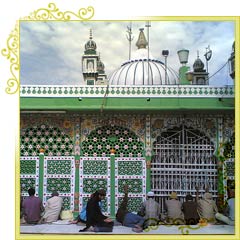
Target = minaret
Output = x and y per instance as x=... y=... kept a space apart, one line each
x=89 y=62
x=200 y=75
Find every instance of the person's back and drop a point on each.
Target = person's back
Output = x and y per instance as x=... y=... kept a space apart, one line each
x=189 y=208
x=53 y=208
x=207 y=208
x=151 y=210
x=174 y=209
x=32 y=207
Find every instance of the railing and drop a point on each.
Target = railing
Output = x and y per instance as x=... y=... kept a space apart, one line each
x=183 y=91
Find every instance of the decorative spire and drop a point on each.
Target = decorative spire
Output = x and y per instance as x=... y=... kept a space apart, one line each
x=129 y=38
x=90 y=37
x=141 y=42
x=90 y=45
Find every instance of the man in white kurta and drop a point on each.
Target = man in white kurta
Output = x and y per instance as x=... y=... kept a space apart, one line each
x=150 y=210
x=53 y=208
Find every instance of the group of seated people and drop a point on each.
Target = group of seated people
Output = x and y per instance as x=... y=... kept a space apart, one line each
x=33 y=212
x=205 y=209
x=188 y=212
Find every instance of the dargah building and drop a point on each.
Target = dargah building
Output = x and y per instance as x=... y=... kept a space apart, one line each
x=148 y=125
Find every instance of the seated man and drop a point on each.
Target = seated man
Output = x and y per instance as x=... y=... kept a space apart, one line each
x=174 y=210
x=82 y=217
x=53 y=208
x=231 y=206
x=189 y=208
x=96 y=221
x=32 y=207
x=150 y=210
x=127 y=218
x=229 y=217
x=207 y=207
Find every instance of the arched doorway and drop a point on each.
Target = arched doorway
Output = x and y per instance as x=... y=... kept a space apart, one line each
x=112 y=156
x=183 y=158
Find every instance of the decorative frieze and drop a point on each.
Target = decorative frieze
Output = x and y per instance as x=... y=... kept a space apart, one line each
x=183 y=91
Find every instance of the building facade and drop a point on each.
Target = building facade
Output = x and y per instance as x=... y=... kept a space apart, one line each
x=144 y=127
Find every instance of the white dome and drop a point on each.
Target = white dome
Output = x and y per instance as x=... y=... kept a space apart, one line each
x=143 y=72
x=143 y=69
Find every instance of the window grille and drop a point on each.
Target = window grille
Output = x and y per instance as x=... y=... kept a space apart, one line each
x=183 y=158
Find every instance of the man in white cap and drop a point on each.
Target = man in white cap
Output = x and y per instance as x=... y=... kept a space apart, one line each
x=174 y=209
x=150 y=210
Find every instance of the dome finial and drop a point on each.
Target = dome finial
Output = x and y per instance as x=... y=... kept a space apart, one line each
x=90 y=45
x=90 y=35
x=141 y=42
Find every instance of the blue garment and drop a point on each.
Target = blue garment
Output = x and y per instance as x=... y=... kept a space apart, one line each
x=132 y=219
x=231 y=206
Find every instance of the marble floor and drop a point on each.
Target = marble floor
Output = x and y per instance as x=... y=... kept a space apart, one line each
x=63 y=227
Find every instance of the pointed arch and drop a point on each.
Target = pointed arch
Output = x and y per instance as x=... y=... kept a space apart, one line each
x=183 y=158
x=51 y=139
x=101 y=140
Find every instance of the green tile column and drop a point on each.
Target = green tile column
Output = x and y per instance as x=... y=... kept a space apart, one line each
x=112 y=187
x=76 y=190
x=148 y=173
x=41 y=175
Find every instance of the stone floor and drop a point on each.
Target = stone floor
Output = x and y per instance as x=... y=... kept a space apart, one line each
x=62 y=227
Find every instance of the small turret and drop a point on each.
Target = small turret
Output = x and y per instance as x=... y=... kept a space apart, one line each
x=200 y=75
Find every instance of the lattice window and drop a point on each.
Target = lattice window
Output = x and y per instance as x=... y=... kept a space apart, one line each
x=183 y=158
x=100 y=141
x=54 y=141
x=131 y=172
x=94 y=173
x=59 y=175
x=29 y=174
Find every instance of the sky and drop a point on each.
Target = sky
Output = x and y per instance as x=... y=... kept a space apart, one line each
x=51 y=52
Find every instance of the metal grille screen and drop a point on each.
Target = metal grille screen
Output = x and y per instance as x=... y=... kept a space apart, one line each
x=183 y=158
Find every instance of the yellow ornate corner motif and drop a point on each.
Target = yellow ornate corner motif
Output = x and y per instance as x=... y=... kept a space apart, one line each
x=11 y=52
x=53 y=13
